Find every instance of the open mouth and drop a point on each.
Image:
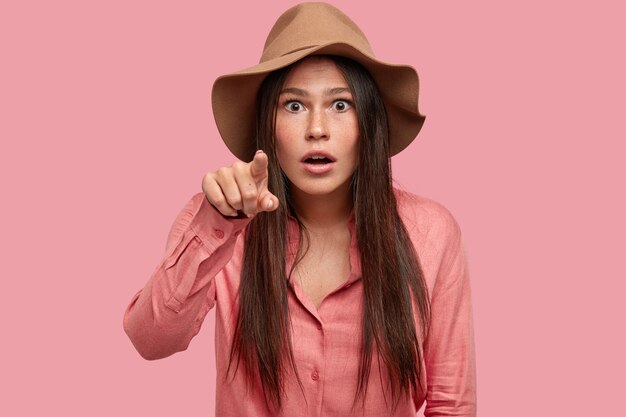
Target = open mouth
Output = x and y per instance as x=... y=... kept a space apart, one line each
x=318 y=160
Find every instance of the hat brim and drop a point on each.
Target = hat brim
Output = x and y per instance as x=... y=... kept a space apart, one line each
x=234 y=97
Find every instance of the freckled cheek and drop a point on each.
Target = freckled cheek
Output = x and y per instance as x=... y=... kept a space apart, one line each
x=286 y=159
x=287 y=134
x=280 y=154
x=350 y=129
x=288 y=126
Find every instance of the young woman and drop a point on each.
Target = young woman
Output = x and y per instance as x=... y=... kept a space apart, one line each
x=335 y=293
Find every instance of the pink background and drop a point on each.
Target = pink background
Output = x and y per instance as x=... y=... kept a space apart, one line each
x=106 y=132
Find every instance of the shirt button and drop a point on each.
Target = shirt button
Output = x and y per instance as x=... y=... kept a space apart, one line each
x=348 y=285
x=219 y=233
x=315 y=376
x=319 y=327
x=196 y=238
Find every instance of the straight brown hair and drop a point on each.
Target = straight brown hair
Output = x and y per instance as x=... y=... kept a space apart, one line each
x=390 y=267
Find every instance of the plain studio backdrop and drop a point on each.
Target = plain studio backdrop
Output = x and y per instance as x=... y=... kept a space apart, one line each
x=107 y=130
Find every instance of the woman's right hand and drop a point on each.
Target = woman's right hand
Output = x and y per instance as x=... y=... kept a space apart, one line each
x=241 y=186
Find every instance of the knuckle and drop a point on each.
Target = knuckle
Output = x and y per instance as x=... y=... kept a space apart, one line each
x=234 y=200
x=218 y=200
x=238 y=165
x=208 y=178
x=222 y=172
x=249 y=194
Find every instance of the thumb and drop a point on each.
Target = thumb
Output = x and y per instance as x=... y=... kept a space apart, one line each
x=258 y=166
x=267 y=201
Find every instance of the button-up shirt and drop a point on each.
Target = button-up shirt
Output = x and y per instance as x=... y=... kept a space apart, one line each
x=201 y=270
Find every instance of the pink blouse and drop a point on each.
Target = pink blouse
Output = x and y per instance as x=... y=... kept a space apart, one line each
x=201 y=270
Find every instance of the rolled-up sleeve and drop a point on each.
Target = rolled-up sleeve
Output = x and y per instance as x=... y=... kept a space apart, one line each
x=167 y=313
x=449 y=348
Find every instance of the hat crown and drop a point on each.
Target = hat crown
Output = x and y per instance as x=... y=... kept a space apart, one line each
x=312 y=24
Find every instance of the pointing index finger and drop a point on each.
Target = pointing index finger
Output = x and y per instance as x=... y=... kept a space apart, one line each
x=258 y=166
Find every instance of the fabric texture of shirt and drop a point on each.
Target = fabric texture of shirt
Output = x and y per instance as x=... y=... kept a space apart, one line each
x=201 y=270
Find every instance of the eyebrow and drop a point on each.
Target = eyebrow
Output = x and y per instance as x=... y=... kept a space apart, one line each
x=304 y=93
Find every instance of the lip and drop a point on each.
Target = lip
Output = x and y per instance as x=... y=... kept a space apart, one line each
x=318 y=168
x=318 y=153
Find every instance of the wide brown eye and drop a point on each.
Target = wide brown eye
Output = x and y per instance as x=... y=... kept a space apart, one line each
x=293 y=106
x=341 y=105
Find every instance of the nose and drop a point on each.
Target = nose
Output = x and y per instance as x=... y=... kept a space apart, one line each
x=318 y=127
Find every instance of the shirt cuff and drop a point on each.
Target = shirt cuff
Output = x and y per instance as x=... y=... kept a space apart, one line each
x=212 y=227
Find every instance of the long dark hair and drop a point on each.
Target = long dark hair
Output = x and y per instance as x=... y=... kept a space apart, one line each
x=390 y=268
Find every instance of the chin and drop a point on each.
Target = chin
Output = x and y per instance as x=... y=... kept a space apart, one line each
x=321 y=188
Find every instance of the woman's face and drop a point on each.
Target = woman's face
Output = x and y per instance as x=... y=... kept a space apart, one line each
x=317 y=133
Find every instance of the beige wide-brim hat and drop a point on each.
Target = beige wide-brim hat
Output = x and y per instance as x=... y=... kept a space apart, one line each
x=313 y=29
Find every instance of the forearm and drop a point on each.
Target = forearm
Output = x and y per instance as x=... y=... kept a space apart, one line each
x=450 y=355
x=167 y=313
